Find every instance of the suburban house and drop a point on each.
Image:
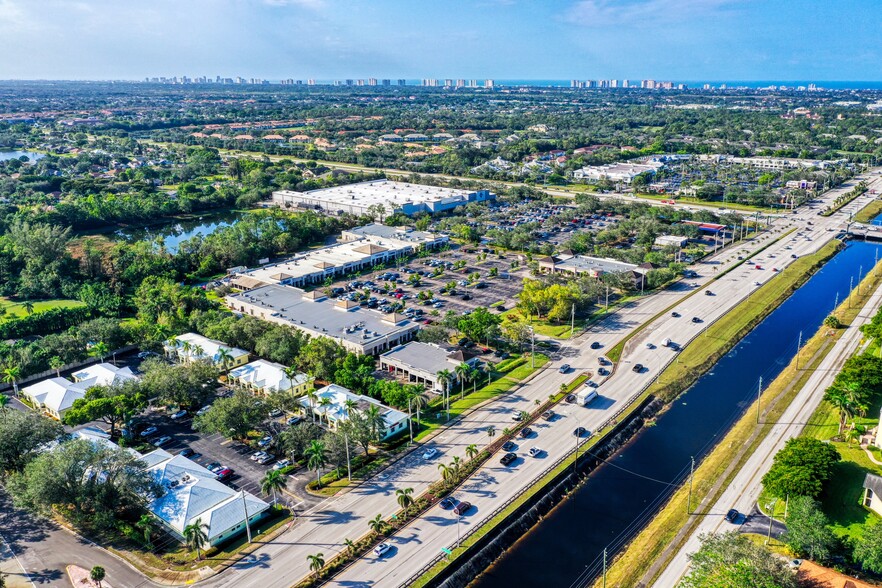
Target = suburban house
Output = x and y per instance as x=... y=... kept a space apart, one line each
x=420 y=363
x=265 y=377
x=103 y=374
x=192 y=493
x=872 y=497
x=54 y=396
x=333 y=403
x=190 y=347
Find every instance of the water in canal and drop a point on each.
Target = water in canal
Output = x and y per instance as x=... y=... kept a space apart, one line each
x=175 y=233
x=617 y=499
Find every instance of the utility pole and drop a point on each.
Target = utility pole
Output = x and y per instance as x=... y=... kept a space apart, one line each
x=409 y=421
x=691 y=475
x=346 y=444
x=604 y=567
x=769 y=537
x=759 y=392
x=245 y=508
x=532 y=349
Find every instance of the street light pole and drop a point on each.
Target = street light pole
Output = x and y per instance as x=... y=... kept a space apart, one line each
x=532 y=347
x=245 y=509
x=348 y=466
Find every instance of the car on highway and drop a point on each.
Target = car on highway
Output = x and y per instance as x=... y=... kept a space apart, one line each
x=580 y=431
x=757 y=283
x=595 y=345
x=548 y=415
x=517 y=416
x=649 y=345
x=430 y=453
x=695 y=319
x=509 y=446
x=179 y=415
x=526 y=432
x=638 y=367
x=508 y=459
x=535 y=451
x=149 y=431
x=708 y=293
x=564 y=368
x=571 y=398
x=733 y=515
x=448 y=502
x=462 y=508
x=162 y=441
x=282 y=463
x=675 y=314
x=223 y=474
x=602 y=371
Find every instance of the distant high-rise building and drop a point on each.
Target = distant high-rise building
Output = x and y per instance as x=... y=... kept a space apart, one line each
x=402 y=82
x=359 y=82
x=372 y=81
x=387 y=82
x=473 y=83
x=299 y=82
x=488 y=83
x=614 y=83
x=448 y=83
x=460 y=83
x=625 y=84
x=339 y=83
x=349 y=82
x=310 y=82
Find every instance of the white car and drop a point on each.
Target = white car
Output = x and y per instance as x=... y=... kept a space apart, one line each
x=535 y=452
x=179 y=415
x=430 y=453
x=258 y=455
x=282 y=463
x=381 y=549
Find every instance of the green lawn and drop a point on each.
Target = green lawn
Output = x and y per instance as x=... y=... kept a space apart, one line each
x=710 y=203
x=546 y=328
x=16 y=309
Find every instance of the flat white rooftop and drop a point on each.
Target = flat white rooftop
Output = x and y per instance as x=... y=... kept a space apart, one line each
x=386 y=192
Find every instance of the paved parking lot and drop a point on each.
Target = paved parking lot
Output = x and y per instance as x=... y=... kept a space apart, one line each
x=248 y=474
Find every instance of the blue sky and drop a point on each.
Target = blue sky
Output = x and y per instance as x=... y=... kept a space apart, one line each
x=679 y=40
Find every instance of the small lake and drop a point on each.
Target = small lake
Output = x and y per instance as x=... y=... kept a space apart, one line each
x=175 y=233
x=5 y=155
x=876 y=220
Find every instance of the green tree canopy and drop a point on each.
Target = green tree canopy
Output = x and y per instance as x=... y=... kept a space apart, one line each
x=730 y=560
x=801 y=468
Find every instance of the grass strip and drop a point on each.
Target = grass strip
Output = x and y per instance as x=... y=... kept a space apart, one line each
x=869 y=212
x=664 y=535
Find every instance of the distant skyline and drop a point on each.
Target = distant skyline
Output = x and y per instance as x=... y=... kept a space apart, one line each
x=678 y=40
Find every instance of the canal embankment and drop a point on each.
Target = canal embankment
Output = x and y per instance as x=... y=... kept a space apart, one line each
x=617 y=503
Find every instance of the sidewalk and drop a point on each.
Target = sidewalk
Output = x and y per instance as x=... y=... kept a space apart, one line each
x=14 y=574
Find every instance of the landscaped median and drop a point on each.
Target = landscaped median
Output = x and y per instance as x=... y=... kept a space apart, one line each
x=660 y=539
x=869 y=212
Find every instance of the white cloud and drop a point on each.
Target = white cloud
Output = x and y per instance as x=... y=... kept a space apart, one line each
x=642 y=13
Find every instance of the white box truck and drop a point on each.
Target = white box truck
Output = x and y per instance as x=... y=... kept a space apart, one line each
x=586 y=395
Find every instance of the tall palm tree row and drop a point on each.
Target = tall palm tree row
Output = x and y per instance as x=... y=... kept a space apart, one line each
x=404 y=496
x=463 y=373
x=316 y=458
x=313 y=400
x=446 y=376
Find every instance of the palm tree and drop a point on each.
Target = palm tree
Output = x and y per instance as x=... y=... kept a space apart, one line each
x=506 y=431
x=446 y=376
x=419 y=400
x=375 y=422
x=324 y=403
x=224 y=358
x=316 y=563
x=315 y=458
x=145 y=523
x=463 y=372
x=447 y=472
x=491 y=431
x=56 y=363
x=196 y=534
x=197 y=351
x=97 y=574
x=99 y=350
x=291 y=373
x=471 y=451
x=29 y=307
x=350 y=546
x=273 y=481
x=456 y=464
x=4 y=406
x=10 y=376
x=351 y=405
x=186 y=347
x=313 y=400
x=841 y=402
x=404 y=498
x=377 y=524
x=160 y=332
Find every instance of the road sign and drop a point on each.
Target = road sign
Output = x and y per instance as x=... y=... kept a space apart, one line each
x=446 y=551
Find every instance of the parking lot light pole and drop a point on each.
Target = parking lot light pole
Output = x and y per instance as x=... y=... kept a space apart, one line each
x=245 y=508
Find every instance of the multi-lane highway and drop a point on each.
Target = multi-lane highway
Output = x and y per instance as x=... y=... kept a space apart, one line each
x=745 y=488
x=323 y=529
